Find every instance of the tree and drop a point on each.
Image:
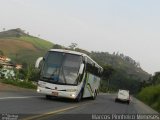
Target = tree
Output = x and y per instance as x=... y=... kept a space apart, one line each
x=107 y=71
x=83 y=51
x=156 y=78
x=28 y=72
x=27 y=33
x=57 y=46
x=16 y=55
x=73 y=46
x=1 y=66
x=1 y=52
x=18 y=35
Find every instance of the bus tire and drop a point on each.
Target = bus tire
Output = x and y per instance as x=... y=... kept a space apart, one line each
x=79 y=97
x=95 y=95
x=48 y=96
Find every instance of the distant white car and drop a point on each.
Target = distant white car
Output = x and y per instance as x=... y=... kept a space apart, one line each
x=123 y=95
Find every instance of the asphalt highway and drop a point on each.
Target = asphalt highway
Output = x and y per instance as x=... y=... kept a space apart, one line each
x=29 y=105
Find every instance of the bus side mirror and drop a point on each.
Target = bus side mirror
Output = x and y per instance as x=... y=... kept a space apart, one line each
x=81 y=68
x=37 y=65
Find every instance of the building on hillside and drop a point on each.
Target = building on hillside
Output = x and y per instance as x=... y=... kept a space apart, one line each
x=8 y=68
x=7 y=65
x=7 y=73
x=4 y=59
x=18 y=66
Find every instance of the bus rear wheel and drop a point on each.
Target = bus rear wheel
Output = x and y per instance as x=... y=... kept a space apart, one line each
x=94 y=96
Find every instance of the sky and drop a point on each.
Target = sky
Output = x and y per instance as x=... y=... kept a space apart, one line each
x=131 y=27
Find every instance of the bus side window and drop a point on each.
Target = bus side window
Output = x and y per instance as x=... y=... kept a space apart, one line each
x=89 y=68
x=80 y=77
x=93 y=70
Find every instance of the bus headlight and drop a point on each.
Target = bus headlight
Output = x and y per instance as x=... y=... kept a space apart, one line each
x=73 y=95
x=71 y=90
x=38 y=90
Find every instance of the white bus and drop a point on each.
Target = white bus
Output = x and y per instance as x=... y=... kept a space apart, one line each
x=69 y=74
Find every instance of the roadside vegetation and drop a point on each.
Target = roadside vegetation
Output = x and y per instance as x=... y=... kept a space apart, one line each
x=25 y=78
x=19 y=83
x=150 y=94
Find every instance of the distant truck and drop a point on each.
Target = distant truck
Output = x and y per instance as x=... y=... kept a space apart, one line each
x=69 y=74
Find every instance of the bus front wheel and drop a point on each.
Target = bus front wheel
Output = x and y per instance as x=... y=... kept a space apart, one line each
x=48 y=96
x=79 y=97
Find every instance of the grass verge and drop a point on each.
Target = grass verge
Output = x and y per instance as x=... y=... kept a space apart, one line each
x=151 y=96
x=23 y=84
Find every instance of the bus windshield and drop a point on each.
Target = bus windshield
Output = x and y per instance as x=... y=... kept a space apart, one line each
x=61 y=68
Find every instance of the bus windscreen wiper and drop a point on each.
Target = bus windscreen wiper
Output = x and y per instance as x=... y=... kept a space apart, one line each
x=52 y=77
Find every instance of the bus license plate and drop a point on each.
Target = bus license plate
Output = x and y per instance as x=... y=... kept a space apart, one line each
x=55 y=93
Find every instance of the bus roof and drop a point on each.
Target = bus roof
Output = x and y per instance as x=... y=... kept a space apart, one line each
x=76 y=53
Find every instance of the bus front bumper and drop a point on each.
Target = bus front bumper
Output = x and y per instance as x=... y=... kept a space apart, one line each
x=57 y=93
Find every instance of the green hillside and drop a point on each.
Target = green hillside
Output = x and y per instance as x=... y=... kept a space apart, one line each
x=122 y=72
x=21 y=47
x=120 y=61
x=127 y=75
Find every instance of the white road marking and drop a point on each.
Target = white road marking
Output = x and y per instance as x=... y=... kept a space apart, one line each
x=20 y=97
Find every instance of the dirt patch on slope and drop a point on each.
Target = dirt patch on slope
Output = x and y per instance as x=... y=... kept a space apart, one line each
x=12 y=46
